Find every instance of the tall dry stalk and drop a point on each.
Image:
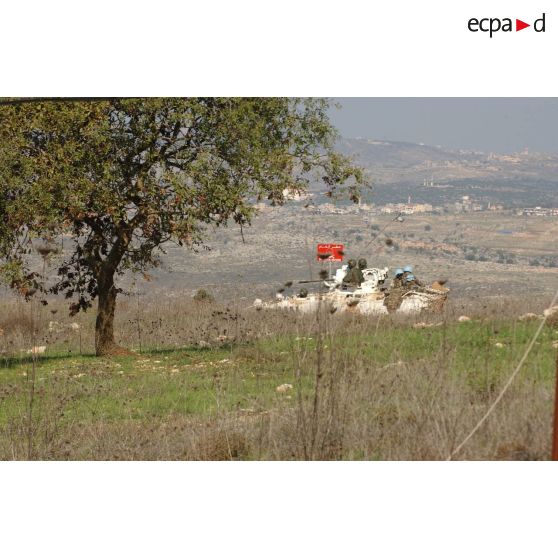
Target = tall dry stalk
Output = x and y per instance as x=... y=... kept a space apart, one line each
x=138 y=318
x=31 y=386
x=318 y=375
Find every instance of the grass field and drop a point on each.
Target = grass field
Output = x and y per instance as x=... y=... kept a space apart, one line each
x=351 y=388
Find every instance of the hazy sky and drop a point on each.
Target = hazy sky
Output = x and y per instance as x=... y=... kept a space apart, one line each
x=487 y=124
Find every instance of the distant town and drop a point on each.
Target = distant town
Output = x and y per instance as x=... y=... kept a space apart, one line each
x=465 y=204
x=538 y=211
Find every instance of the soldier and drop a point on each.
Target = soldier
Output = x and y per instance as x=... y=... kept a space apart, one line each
x=353 y=277
x=408 y=281
x=411 y=282
x=398 y=280
x=396 y=291
x=362 y=264
x=407 y=270
x=349 y=273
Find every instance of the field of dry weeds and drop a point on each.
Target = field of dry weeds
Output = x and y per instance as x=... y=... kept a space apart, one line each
x=210 y=381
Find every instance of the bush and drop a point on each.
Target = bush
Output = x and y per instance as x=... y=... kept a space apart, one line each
x=203 y=296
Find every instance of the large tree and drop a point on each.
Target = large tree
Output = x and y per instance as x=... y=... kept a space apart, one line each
x=124 y=176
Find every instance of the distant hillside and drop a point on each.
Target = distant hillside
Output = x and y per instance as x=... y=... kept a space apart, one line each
x=394 y=153
x=399 y=169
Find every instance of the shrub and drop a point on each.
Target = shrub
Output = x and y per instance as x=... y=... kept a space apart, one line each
x=203 y=296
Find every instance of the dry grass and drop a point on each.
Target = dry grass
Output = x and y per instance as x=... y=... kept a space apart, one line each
x=204 y=387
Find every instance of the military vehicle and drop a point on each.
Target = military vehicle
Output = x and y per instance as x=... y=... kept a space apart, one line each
x=370 y=298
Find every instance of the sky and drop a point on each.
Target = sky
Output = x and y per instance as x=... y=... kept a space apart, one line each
x=502 y=125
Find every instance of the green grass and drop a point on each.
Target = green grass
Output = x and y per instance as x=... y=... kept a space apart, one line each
x=195 y=382
x=202 y=382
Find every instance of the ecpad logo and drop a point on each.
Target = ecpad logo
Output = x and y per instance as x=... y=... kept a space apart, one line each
x=493 y=25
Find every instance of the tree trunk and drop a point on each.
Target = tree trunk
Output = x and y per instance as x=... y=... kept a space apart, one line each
x=104 y=326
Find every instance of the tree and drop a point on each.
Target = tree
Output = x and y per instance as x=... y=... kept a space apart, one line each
x=126 y=176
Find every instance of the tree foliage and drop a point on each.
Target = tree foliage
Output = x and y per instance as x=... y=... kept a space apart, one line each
x=124 y=176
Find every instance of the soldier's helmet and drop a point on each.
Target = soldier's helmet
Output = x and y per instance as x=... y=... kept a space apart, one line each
x=398 y=272
x=351 y=264
x=408 y=269
x=410 y=277
x=362 y=263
